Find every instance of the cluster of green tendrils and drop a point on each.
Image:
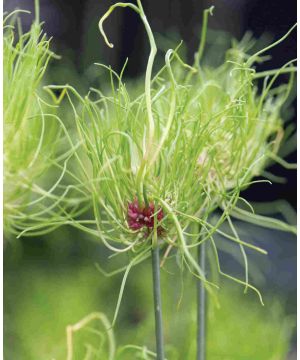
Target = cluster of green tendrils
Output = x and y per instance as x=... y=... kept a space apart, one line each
x=31 y=126
x=192 y=140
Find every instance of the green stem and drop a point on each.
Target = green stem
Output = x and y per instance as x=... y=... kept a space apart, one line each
x=199 y=53
x=37 y=11
x=254 y=57
x=157 y=304
x=201 y=307
x=153 y=50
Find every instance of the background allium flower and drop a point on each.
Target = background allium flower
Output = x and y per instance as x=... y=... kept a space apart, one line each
x=31 y=131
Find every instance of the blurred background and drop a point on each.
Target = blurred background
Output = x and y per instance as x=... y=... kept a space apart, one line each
x=52 y=281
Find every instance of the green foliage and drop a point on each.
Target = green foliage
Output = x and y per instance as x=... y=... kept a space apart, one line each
x=189 y=143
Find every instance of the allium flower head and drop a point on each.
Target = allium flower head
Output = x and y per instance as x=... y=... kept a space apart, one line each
x=143 y=216
x=191 y=141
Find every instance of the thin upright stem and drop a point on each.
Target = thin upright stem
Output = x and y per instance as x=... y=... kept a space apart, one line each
x=201 y=307
x=37 y=11
x=199 y=53
x=157 y=304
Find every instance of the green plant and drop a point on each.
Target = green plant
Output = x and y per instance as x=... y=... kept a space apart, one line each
x=210 y=138
x=155 y=167
x=31 y=129
x=186 y=146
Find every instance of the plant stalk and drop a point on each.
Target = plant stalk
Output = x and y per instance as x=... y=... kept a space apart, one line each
x=201 y=307
x=157 y=304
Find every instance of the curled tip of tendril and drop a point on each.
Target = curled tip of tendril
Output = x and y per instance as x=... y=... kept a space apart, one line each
x=211 y=9
x=137 y=9
x=109 y=44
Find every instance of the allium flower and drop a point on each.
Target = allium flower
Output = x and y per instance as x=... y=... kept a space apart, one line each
x=31 y=133
x=191 y=141
x=143 y=216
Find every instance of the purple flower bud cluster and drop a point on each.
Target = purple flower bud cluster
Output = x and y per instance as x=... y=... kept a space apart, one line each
x=143 y=216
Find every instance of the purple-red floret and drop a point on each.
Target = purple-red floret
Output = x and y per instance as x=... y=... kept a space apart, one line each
x=139 y=217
